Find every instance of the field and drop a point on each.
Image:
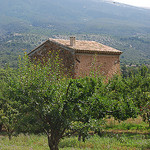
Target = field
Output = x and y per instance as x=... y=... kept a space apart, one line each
x=132 y=134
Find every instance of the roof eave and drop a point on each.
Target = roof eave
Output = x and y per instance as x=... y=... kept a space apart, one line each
x=30 y=53
x=98 y=52
x=77 y=50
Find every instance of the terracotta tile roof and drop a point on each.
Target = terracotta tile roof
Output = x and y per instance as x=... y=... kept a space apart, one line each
x=87 y=47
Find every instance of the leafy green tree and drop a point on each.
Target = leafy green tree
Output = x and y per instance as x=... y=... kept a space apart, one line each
x=120 y=102
x=143 y=100
x=2 y=76
x=42 y=98
x=8 y=114
x=1 y=124
x=9 y=119
x=146 y=112
x=133 y=89
x=51 y=102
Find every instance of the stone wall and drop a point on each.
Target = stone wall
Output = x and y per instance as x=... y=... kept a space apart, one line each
x=78 y=64
x=107 y=65
x=49 y=49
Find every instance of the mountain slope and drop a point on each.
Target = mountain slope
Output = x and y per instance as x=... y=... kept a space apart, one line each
x=124 y=27
x=81 y=14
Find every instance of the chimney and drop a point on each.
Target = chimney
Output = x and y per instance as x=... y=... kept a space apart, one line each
x=72 y=41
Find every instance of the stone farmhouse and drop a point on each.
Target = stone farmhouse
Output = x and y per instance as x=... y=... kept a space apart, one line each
x=80 y=57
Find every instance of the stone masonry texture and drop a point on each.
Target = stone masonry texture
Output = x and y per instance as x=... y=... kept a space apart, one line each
x=79 y=63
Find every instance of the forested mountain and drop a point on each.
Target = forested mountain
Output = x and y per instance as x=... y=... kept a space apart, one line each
x=77 y=15
x=122 y=26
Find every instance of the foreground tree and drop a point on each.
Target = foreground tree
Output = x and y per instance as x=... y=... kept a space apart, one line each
x=134 y=89
x=8 y=113
x=2 y=76
x=139 y=85
x=48 y=101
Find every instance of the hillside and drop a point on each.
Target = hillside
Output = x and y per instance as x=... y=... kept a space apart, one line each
x=76 y=15
x=122 y=26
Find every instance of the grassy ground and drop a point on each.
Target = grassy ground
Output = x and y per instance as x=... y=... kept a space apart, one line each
x=129 y=126
x=129 y=135
x=111 y=142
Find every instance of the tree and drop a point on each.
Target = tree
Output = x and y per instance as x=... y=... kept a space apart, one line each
x=146 y=112
x=9 y=119
x=134 y=90
x=2 y=77
x=47 y=100
x=8 y=114
x=53 y=103
x=140 y=90
x=119 y=99
x=1 y=124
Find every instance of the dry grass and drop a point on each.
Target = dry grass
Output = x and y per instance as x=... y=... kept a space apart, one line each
x=132 y=125
x=137 y=120
x=112 y=139
x=109 y=141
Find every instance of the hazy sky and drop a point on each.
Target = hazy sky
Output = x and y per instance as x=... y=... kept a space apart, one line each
x=140 y=3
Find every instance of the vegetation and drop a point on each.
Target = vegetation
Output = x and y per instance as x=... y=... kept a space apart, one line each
x=115 y=136
x=130 y=134
x=135 y=48
x=108 y=141
x=78 y=16
x=39 y=98
x=131 y=125
x=120 y=28
x=13 y=45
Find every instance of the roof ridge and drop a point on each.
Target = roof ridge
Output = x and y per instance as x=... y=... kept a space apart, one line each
x=83 y=46
x=98 y=48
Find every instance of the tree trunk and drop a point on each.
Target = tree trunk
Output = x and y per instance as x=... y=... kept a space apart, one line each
x=9 y=132
x=53 y=143
x=79 y=137
x=1 y=127
x=9 y=136
x=148 y=117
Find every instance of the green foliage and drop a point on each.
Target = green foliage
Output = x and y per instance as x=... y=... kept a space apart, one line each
x=8 y=117
x=145 y=112
x=8 y=114
x=39 y=97
x=12 y=45
x=25 y=27
x=128 y=126
x=134 y=88
x=108 y=141
x=47 y=100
